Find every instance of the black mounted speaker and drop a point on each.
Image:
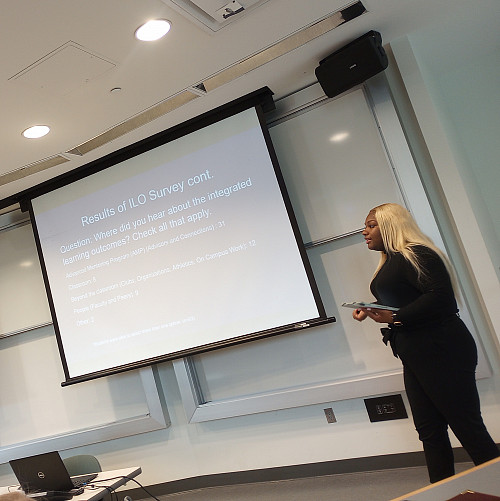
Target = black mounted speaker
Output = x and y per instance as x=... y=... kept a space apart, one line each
x=352 y=64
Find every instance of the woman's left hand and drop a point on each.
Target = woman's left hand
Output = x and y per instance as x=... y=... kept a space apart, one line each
x=380 y=316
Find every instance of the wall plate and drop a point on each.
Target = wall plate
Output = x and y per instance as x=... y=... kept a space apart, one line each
x=386 y=408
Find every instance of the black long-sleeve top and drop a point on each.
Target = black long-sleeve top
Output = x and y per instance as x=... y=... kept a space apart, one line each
x=420 y=300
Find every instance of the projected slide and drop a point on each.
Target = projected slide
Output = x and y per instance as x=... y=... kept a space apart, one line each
x=183 y=246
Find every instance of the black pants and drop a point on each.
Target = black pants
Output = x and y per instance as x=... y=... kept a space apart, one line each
x=439 y=374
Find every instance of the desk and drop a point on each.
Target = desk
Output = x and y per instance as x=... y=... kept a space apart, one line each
x=110 y=479
x=100 y=486
x=484 y=478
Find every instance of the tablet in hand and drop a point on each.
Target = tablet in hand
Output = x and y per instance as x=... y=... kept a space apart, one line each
x=362 y=304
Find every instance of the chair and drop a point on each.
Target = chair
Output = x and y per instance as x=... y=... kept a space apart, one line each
x=82 y=464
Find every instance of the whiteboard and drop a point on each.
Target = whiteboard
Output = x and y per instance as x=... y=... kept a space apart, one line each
x=332 y=184
x=23 y=301
x=36 y=413
x=336 y=169
x=342 y=350
x=336 y=164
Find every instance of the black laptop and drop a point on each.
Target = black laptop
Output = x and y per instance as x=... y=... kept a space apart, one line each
x=46 y=473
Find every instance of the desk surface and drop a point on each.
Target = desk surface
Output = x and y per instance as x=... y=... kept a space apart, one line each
x=484 y=478
x=105 y=481
x=100 y=486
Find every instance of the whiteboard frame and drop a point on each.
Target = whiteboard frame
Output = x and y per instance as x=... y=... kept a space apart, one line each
x=156 y=418
x=198 y=411
x=412 y=190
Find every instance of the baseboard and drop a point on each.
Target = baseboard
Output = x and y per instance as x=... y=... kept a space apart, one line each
x=354 y=465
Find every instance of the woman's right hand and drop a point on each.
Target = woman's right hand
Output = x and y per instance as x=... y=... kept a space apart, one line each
x=359 y=314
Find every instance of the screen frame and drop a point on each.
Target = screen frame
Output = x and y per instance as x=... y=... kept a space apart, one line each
x=262 y=101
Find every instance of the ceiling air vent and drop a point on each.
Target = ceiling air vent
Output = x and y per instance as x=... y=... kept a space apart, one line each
x=213 y=14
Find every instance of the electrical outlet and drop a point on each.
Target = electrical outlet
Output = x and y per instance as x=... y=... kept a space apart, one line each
x=330 y=416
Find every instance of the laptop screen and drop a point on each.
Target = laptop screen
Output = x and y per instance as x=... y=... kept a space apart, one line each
x=43 y=472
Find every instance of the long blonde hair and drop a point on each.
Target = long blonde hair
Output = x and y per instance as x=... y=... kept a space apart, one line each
x=400 y=233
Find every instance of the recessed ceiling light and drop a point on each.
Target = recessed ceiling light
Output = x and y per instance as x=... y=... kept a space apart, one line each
x=36 y=131
x=152 y=30
x=339 y=137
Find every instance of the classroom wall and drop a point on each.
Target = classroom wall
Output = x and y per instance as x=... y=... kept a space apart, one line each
x=464 y=87
x=452 y=92
x=302 y=435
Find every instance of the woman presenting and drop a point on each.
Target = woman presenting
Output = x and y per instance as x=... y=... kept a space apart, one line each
x=438 y=352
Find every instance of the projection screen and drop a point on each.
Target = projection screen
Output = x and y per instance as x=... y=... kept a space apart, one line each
x=187 y=246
